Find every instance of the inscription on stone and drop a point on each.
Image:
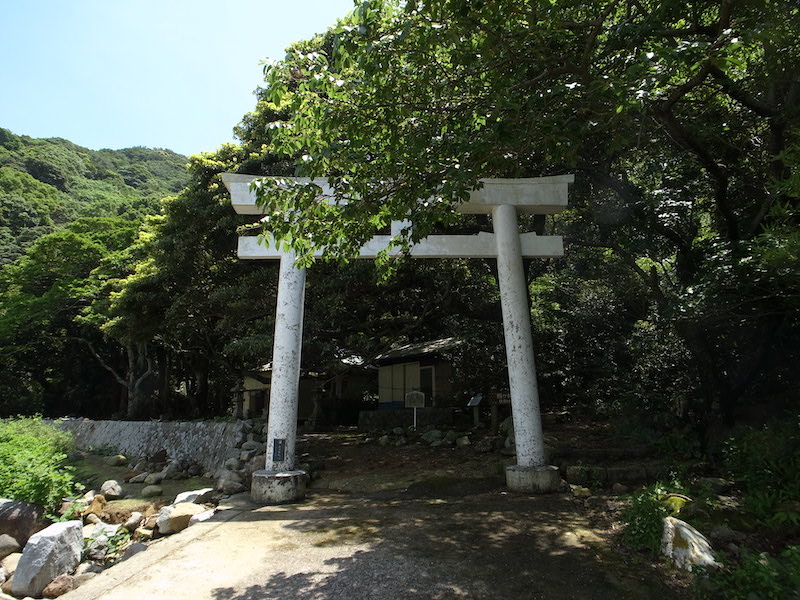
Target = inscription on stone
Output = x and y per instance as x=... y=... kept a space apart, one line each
x=278 y=450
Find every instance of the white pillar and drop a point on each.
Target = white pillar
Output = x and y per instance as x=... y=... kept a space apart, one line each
x=286 y=350
x=279 y=482
x=519 y=343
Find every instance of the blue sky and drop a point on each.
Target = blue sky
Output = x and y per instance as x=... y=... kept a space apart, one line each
x=175 y=74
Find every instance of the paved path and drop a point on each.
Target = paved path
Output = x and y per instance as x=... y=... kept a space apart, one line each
x=333 y=546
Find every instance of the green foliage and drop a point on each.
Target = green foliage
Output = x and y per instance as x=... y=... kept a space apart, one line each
x=32 y=455
x=644 y=517
x=766 y=464
x=755 y=575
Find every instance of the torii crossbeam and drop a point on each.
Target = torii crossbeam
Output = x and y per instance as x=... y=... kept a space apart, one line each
x=503 y=199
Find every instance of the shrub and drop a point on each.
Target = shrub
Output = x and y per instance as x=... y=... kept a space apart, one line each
x=644 y=518
x=32 y=455
x=756 y=576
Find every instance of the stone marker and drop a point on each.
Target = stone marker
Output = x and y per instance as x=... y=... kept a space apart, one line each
x=54 y=551
x=686 y=546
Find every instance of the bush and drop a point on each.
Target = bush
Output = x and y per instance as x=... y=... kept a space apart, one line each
x=32 y=455
x=644 y=518
x=766 y=464
x=756 y=576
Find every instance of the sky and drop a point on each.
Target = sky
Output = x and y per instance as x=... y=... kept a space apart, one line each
x=175 y=74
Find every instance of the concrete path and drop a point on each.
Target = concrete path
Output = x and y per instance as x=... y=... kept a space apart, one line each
x=487 y=545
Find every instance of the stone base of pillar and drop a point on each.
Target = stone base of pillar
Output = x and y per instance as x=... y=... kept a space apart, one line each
x=281 y=487
x=533 y=480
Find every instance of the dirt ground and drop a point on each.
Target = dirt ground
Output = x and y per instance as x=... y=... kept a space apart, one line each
x=397 y=522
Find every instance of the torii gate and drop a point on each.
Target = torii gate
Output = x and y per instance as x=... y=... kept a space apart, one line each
x=503 y=199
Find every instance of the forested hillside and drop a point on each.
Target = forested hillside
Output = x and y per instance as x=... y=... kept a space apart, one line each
x=46 y=183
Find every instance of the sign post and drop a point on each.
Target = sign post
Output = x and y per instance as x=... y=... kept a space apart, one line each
x=415 y=400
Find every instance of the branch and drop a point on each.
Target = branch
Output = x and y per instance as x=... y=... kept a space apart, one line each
x=737 y=93
x=103 y=363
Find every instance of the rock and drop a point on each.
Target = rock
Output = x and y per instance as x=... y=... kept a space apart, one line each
x=580 y=492
x=88 y=567
x=194 y=470
x=485 y=445
x=686 y=546
x=253 y=445
x=383 y=440
x=437 y=443
x=8 y=545
x=141 y=465
x=139 y=478
x=151 y=491
x=463 y=441
x=97 y=506
x=230 y=482
x=116 y=461
x=159 y=457
x=153 y=479
x=9 y=563
x=725 y=535
x=20 y=520
x=202 y=516
x=175 y=518
x=59 y=586
x=505 y=424
x=6 y=587
x=401 y=441
x=398 y=431
x=54 y=551
x=92 y=518
x=133 y=550
x=432 y=436
x=246 y=455
x=144 y=533
x=89 y=496
x=619 y=489
x=172 y=470
x=133 y=521
x=196 y=496
x=233 y=464
x=112 y=490
x=451 y=436
x=577 y=474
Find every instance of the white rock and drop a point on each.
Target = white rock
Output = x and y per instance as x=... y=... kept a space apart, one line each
x=112 y=490
x=54 y=551
x=196 y=496
x=139 y=478
x=203 y=516
x=686 y=546
x=133 y=521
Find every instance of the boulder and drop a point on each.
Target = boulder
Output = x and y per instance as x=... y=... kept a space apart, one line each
x=10 y=562
x=451 y=436
x=398 y=431
x=196 y=496
x=686 y=546
x=139 y=478
x=175 y=518
x=505 y=425
x=92 y=518
x=172 y=470
x=97 y=506
x=233 y=464
x=133 y=521
x=432 y=436
x=54 y=551
x=8 y=545
x=153 y=479
x=253 y=445
x=194 y=470
x=59 y=586
x=463 y=441
x=151 y=491
x=230 y=482
x=20 y=520
x=383 y=440
x=116 y=461
x=580 y=492
x=112 y=490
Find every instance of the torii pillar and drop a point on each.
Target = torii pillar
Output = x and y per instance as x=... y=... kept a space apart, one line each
x=280 y=482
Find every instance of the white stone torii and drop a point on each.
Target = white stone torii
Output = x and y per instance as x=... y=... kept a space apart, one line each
x=503 y=199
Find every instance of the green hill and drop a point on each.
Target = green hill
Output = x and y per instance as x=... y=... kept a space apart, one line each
x=46 y=183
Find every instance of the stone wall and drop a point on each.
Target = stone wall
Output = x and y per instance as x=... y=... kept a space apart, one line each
x=204 y=443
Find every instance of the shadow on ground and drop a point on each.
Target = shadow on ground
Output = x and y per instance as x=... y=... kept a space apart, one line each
x=431 y=543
